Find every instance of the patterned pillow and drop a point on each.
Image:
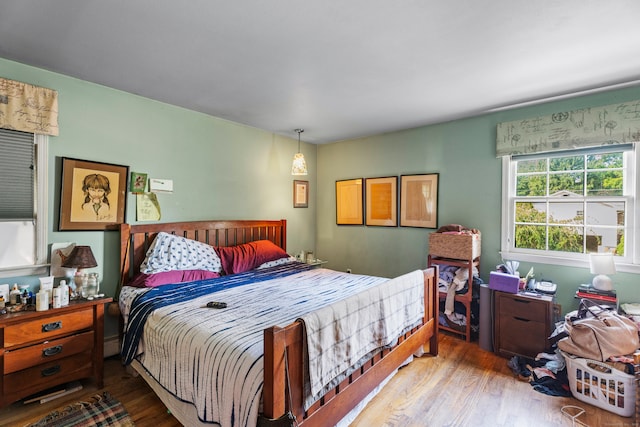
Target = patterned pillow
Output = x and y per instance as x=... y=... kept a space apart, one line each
x=169 y=252
x=277 y=262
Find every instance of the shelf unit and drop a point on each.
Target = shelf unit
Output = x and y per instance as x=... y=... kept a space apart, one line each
x=466 y=298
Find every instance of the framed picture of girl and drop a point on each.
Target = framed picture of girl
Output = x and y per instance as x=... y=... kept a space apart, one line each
x=93 y=195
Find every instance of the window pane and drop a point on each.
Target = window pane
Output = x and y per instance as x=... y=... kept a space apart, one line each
x=566 y=239
x=571 y=163
x=531 y=185
x=604 y=161
x=530 y=237
x=604 y=183
x=605 y=213
x=566 y=184
x=566 y=213
x=531 y=212
x=525 y=166
x=603 y=239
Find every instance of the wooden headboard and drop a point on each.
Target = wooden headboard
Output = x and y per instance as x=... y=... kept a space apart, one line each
x=136 y=239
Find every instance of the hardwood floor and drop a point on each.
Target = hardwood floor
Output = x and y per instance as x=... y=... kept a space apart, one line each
x=463 y=386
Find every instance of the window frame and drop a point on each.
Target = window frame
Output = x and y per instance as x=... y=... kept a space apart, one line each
x=41 y=182
x=629 y=263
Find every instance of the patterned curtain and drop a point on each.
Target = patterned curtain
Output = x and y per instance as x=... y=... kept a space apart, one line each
x=567 y=130
x=28 y=108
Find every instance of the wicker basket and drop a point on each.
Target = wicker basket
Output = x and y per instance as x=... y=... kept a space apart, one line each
x=455 y=246
x=600 y=385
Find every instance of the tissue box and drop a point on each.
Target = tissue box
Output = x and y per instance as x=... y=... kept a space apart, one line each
x=504 y=282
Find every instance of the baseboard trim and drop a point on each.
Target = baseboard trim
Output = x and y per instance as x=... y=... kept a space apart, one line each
x=111 y=346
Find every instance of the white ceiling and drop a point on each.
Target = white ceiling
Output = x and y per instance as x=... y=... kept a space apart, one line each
x=338 y=69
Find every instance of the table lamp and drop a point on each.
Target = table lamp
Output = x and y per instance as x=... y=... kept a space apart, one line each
x=601 y=265
x=80 y=257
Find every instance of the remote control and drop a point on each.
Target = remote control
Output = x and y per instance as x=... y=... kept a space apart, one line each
x=216 y=304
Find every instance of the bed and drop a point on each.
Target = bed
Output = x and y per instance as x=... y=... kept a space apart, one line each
x=281 y=386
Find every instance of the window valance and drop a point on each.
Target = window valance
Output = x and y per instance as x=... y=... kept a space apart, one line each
x=567 y=130
x=28 y=108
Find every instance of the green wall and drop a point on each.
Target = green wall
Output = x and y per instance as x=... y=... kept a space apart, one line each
x=220 y=169
x=225 y=170
x=463 y=153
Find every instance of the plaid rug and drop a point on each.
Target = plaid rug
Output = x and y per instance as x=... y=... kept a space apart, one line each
x=100 y=410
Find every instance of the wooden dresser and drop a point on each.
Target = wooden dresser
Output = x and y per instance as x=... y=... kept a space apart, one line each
x=43 y=349
x=522 y=324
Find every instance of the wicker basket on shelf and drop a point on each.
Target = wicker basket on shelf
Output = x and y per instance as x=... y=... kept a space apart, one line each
x=455 y=246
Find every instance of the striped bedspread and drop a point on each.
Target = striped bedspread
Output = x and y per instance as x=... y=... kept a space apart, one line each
x=343 y=334
x=214 y=358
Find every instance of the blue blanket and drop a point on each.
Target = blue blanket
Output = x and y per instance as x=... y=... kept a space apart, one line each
x=162 y=296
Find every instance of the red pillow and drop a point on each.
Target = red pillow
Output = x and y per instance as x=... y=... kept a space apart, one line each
x=143 y=280
x=245 y=257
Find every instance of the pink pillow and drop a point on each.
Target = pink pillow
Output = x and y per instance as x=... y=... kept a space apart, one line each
x=245 y=257
x=143 y=280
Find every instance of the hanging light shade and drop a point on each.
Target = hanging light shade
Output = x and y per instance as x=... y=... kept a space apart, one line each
x=299 y=166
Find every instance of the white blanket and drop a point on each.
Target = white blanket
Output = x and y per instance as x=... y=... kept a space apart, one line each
x=341 y=335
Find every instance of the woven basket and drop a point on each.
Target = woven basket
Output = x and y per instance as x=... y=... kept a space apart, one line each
x=455 y=246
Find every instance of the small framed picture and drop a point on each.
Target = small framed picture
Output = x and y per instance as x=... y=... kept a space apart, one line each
x=138 y=182
x=382 y=201
x=300 y=194
x=93 y=195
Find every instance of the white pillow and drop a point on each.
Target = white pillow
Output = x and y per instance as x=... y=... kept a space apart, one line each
x=285 y=260
x=170 y=252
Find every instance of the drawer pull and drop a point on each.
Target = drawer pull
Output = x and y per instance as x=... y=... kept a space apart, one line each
x=52 y=351
x=50 y=371
x=53 y=326
x=522 y=319
x=522 y=301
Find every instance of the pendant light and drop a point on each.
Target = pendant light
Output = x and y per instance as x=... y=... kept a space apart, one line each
x=299 y=166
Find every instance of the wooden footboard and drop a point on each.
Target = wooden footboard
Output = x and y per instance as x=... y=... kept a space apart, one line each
x=334 y=405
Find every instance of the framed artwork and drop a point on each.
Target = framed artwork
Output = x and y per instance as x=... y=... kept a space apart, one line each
x=349 y=202
x=382 y=201
x=419 y=200
x=93 y=195
x=300 y=194
x=138 y=182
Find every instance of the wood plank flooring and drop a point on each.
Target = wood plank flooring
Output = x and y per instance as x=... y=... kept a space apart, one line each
x=463 y=386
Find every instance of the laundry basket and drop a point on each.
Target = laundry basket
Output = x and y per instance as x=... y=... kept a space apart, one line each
x=601 y=385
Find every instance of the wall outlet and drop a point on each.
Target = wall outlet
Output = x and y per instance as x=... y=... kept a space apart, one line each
x=348 y=270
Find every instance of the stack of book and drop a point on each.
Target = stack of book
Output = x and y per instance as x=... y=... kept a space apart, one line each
x=589 y=292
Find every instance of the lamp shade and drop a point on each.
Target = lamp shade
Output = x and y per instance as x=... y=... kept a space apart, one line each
x=80 y=257
x=602 y=263
x=299 y=165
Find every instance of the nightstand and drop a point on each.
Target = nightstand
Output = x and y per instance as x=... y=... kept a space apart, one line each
x=43 y=349
x=317 y=263
x=522 y=323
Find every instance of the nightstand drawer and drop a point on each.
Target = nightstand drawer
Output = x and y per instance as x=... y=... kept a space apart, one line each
x=520 y=336
x=524 y=308
x=48 y=351
x=48 y=327
x=49 y=374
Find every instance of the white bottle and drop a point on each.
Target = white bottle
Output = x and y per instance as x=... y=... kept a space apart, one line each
x=64 y=289
x=14 y=295
x=42 y=300
x=57 y=296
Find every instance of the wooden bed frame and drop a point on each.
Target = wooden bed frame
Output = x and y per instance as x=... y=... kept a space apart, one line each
x=288 y=341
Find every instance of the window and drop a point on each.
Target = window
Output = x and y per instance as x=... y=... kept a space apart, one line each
x=559 y=207
x=23 y=212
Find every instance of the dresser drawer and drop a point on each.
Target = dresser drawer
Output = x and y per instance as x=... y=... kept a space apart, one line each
x=49 y=374
x=520 y=336
x=524 y=308
x=48 y=351
x=48 y=327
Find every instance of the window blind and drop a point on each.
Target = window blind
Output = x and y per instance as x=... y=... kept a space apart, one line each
x=17 y=173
